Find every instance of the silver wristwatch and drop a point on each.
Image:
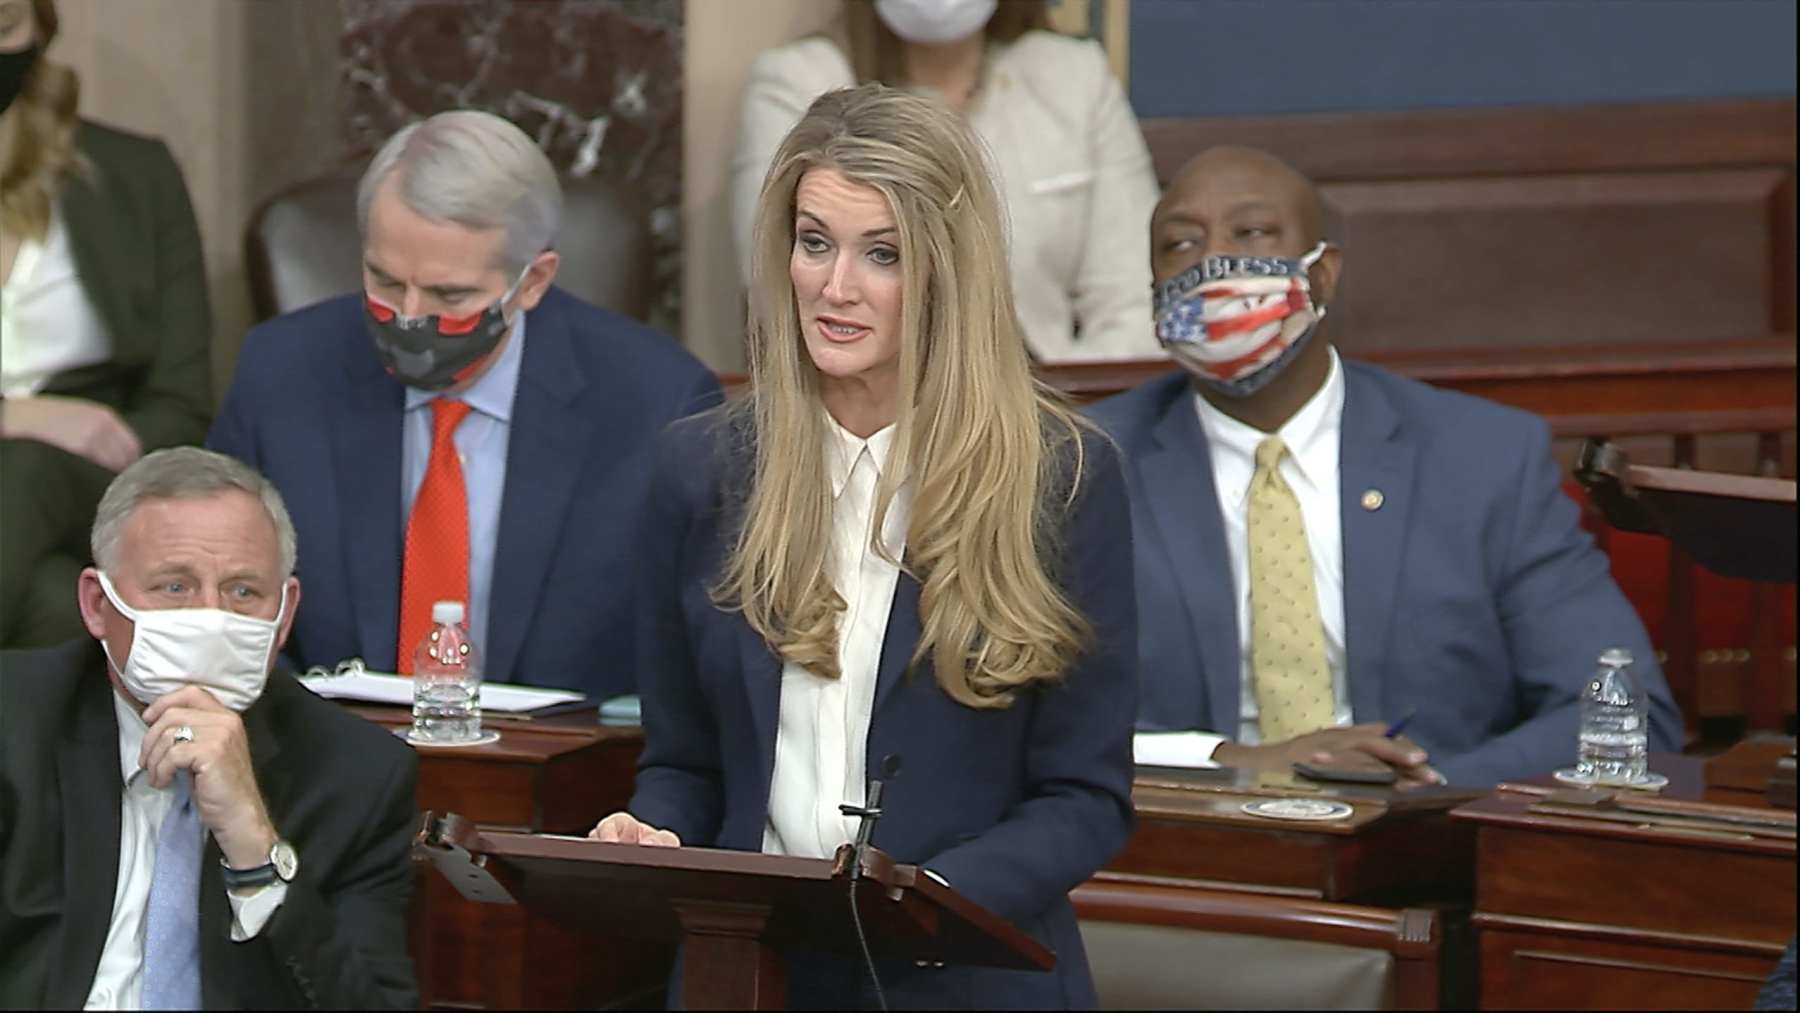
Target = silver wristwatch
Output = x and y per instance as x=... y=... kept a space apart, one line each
x=283 y=864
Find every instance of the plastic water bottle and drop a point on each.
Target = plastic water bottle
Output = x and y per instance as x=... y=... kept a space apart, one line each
x=1614 y=741
x=447 y=679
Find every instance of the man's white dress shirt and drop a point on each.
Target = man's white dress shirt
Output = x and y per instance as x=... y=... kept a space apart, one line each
x=1313 y=437
x=822 y=739
x=119 y=978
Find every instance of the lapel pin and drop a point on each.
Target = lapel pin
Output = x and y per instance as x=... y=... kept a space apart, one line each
x=1372 y=499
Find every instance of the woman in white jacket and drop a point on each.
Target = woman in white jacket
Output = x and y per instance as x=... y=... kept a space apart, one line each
x=1072 y=165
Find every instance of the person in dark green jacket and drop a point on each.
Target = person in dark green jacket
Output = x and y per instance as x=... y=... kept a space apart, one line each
x=105 y=331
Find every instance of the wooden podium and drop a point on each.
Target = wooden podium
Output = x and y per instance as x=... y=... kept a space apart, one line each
x=554 y=775
x=1734 y=525
x=734 y=912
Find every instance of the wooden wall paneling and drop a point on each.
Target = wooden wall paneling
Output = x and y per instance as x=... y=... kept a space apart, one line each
x=1518 y=140
x=1596 y=224
x=1686 y=398
x=1782 y=259
x=1558 y=259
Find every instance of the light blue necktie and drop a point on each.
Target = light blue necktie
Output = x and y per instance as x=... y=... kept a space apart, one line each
x=172 y=920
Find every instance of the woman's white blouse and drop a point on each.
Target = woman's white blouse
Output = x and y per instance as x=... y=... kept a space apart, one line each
x=47 y=322
x=822 y=739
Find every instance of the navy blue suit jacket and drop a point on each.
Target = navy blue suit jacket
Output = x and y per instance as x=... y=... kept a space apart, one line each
x=1471 y=593
x=1013 y=807
x=312 y=409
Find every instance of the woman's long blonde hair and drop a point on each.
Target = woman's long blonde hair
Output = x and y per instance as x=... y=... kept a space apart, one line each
x=993 y=456
x=37 y=137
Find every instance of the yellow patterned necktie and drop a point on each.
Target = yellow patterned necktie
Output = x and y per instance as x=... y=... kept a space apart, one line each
x=1287 y=641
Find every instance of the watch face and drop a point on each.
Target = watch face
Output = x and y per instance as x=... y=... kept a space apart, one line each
x=286 y=862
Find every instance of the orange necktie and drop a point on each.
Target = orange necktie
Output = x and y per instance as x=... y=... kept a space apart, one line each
x=437 y=535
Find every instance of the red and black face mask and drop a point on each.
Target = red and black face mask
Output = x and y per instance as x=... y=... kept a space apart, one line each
x=437 y=352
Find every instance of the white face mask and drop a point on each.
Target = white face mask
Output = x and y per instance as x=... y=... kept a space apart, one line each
x=224 y=652
x=934 y=22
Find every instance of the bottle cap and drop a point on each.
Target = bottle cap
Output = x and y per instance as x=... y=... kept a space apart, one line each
x=447 y=612
x=1615 y=657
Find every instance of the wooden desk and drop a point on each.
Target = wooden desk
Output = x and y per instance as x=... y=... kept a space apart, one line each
x=1392 y=851
x=1395 y=876
x=559 y=776
x=1578 y=913
x=1707 y=918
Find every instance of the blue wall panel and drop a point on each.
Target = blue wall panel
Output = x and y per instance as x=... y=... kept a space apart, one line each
x=1249 y=57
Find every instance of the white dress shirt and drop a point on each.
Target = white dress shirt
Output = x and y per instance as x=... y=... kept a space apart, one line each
x=119 y=978
x=1069 y=161
x=1313 y=437
x=47 y=322
x=822 y=740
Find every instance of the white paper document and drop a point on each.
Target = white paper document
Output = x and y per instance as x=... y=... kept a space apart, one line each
x=1175 y=749
x=370 y=687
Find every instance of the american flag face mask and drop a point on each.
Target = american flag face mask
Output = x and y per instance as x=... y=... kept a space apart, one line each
x=1236 y=322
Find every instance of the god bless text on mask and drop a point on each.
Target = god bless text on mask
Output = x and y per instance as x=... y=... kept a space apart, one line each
x=1235 y=322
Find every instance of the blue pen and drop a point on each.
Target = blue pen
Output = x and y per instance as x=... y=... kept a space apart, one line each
x=1399 y=726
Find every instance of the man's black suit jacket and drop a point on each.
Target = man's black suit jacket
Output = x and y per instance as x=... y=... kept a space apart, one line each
x=338 y=788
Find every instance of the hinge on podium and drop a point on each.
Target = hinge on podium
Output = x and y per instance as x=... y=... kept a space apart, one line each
x=444 y=842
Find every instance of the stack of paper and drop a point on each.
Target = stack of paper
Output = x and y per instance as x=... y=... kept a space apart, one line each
x=371 y=687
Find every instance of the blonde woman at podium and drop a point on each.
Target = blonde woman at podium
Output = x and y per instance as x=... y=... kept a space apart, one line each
x=897 y=558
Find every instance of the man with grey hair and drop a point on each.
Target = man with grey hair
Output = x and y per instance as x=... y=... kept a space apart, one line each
x=462 y=429
x=195 y=828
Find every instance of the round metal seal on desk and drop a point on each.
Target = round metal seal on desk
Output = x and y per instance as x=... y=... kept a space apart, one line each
x=1298 y=809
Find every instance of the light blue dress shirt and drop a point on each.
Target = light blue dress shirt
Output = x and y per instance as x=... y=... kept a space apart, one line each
x=481 y=444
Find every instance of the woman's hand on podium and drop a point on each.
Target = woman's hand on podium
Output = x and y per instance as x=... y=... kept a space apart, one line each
x=624 y=828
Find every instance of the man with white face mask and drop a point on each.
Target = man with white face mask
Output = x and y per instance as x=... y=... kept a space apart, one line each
x=180 y=826
x=1327 y=551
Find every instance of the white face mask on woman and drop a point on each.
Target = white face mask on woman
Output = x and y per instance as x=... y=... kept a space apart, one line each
x=226 y=653
x=934 y=22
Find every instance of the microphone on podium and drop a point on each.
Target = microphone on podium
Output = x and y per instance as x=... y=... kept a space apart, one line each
x=870 y=811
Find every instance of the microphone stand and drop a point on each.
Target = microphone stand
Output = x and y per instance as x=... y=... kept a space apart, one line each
x=867 y=814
